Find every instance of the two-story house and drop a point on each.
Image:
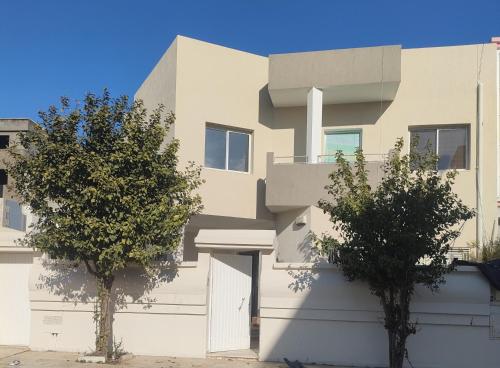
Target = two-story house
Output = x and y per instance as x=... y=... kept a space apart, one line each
x=265 y=130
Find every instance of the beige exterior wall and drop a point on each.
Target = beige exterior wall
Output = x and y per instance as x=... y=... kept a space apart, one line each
x=438 y=87
x=205 y=83
x=159 y=88
x=222 y=86
x=348 y=75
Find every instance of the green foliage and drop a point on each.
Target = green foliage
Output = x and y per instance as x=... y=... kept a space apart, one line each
x=489 y=251
x=104 y=188
x=395 y=235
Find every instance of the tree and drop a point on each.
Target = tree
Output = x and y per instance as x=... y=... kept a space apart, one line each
x=105 y=190
x=395 y=235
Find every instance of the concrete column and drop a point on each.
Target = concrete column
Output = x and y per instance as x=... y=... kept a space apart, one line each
x=314 y=123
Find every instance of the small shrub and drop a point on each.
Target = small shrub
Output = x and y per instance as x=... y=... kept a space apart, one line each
x=489 y=251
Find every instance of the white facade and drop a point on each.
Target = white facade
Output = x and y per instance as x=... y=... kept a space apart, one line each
x=15 y=266
x=235 y=278
x=308 y=312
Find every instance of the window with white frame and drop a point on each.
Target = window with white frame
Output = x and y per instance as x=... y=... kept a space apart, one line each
x=347 y=141
x=450 y=144
x=227 y=149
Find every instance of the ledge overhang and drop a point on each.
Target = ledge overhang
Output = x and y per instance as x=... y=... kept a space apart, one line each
x=235 y=239
x=367 y=74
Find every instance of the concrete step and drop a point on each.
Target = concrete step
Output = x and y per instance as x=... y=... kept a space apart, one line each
x=244 y=354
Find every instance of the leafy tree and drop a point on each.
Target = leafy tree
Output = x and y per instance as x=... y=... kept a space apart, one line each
x=105 y=190
x=395 y=235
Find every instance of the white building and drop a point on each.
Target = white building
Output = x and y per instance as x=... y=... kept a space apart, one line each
x=250 y=282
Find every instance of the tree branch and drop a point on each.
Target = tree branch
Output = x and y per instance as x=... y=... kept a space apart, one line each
x=89 y=268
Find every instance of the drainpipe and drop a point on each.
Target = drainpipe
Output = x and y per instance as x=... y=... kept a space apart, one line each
x=497 y=41
x=479 y=161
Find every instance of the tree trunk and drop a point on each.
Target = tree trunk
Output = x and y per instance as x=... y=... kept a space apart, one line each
x=396 y=350
x=104 y=338
x=396 y=306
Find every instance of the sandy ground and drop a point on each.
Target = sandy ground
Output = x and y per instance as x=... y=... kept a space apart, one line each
x=33 y=359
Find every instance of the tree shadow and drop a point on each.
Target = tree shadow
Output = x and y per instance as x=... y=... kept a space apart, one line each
x=71 y=282
x=67 y=280
x=303 y=278
x=134 y=284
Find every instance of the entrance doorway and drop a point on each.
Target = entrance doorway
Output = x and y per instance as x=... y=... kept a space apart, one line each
x=233 y=305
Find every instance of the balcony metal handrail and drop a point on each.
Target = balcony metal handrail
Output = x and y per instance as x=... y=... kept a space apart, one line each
x=460 y=253
x=369 y=157
x=326 y=159
x=283 y=160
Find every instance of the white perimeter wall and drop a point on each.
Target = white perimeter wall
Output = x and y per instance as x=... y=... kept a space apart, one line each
x=167 y=318
x=14 y=296
x=319 y=317
x=311 y=316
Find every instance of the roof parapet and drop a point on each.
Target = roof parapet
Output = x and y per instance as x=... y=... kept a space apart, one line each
x=16 y=124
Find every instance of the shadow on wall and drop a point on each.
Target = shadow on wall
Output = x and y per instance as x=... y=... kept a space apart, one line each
x=291 y=119
x=190 y=253
x=314 y=315
x=294 y=119
x=364 y=113
x=74 y=284
x=265 y=107
x=133 y=285
x=296 y=238
x=307 y=247
x=320 y=320
x=262 y=212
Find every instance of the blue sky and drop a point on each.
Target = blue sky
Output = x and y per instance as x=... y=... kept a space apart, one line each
x=50 y=48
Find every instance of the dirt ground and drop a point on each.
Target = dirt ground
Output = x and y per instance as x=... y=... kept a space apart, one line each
x=34 y=359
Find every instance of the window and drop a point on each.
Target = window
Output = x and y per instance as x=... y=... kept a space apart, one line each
x=449 y=143
x=227 y=149
x=3 y=181
x=3 y=177
x=4 y=141
x=347 y=141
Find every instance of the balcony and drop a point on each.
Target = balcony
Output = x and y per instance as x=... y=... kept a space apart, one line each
x=291 y=182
